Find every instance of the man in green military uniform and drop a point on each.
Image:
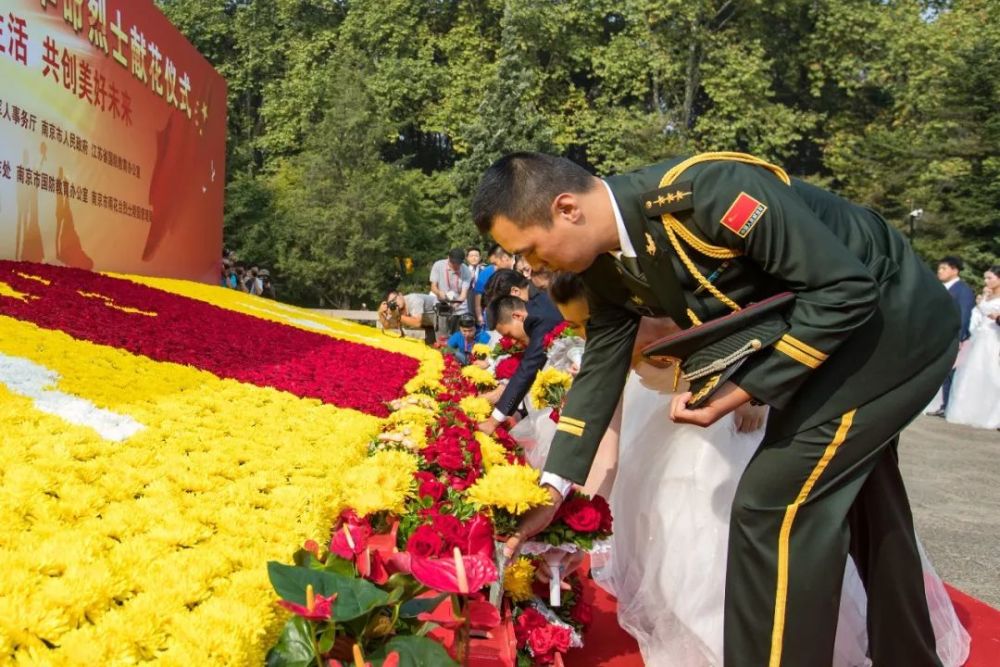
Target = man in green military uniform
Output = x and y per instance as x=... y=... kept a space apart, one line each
x=865 y=351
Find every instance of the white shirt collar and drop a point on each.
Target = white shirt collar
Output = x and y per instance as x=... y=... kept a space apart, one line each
x=951 y=282
x=624 y=241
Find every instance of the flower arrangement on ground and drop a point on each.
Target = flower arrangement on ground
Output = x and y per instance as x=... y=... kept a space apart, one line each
x=422 y=550
x=162 y=441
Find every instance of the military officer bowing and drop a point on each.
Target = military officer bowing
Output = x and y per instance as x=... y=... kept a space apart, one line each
x=864 y=349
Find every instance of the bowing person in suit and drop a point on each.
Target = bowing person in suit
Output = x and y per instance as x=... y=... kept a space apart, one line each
x=526 y=319
x=948 y=271
x=870 y=339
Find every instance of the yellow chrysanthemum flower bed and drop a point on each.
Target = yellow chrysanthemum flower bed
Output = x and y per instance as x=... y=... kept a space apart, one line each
x=480 y=377
x=140 y=532
x=493 y=452
x=476 y=407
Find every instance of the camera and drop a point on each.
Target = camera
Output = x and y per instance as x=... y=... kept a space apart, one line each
x=393 y=305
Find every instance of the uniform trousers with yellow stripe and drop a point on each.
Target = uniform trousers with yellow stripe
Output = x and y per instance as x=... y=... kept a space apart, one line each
x=804 y=503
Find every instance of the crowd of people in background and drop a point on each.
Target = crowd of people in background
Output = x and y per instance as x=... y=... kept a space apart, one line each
x=456 y=298
x=971 y=393
x=455 y=314
x=252 y=280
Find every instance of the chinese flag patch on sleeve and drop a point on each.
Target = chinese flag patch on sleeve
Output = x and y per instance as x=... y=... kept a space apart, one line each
x=743 y=214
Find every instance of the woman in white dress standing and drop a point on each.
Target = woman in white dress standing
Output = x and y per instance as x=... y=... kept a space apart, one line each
x=975 y=394
x=671 y=496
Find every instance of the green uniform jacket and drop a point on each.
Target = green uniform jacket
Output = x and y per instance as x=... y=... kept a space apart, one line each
x=868 y=312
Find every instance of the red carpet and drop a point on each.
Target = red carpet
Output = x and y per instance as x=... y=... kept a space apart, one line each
x=607 y=645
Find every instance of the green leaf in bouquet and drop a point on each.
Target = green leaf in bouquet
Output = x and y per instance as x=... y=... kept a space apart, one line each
x=304 y=558
x=294 y=647
x=413 y=652
x=327 y=638
x=355 y=597
x=338 y=565
x=395 y=595
x=416 y=606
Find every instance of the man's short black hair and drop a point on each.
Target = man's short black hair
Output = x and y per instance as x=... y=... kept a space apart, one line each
x=456 y=255
x=466 y=320
x=473 y=248
x=953 y=261
x=502 y=308
x=501 y=283
x=521 y=187
x=496 y=250
x=566 y=287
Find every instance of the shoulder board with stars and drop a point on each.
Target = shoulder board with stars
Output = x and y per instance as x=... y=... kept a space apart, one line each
x=675 y=197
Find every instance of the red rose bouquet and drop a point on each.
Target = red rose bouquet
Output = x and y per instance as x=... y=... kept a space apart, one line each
x=561 y=330
x=580 y=521
x=507 y=346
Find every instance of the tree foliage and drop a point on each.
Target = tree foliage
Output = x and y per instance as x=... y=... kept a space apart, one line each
x=358 y=130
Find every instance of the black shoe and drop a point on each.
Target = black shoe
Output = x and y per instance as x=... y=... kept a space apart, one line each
x=937 y=413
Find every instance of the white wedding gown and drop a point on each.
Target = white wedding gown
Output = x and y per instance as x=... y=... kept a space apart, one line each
x=975 y=391
x=666 y=563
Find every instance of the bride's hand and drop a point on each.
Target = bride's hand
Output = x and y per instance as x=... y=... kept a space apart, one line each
x=728 y=398
x=534 y=522
x=570 y=562
x=749 y=418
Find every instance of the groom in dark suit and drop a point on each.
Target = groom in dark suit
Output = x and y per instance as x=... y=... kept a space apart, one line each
x=948 y=271
x=871 y=337
x=526 y=320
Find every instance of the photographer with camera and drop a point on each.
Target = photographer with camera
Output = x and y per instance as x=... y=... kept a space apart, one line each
x=450 y=280
x=413 y=311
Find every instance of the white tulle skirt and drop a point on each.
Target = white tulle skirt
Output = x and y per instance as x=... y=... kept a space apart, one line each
x=667 y=559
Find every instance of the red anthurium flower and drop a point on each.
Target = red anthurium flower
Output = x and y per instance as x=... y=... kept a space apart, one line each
x=312 y=547
x=479 y=537
x=351 y=537
x=459 y=574
x=398 y=562
x=385 y=543
x=372 y=566
x=391 y=660
x=317 y=607
x=480 y=614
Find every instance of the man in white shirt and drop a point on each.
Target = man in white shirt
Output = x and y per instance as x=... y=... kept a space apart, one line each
x=450 y=280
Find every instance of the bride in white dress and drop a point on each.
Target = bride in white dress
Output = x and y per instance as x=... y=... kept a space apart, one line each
x=671 y=490
x=975 y=393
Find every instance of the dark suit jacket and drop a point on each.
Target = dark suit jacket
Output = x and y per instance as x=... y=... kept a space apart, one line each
x=543 y=317
x=868 y=313
x=965 y=299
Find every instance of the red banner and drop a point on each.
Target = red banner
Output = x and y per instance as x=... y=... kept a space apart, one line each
x=112 y=140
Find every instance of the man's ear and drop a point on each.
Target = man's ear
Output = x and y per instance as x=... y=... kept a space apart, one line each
x=566 y=207
x=519 y=315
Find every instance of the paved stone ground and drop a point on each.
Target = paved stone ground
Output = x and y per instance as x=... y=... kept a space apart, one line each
x=952 y=474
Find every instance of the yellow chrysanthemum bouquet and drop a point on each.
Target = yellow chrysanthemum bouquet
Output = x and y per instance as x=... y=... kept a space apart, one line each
x=550 y=388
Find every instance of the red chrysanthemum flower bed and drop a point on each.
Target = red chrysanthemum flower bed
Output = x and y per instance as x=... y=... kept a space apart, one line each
x=225 y=343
